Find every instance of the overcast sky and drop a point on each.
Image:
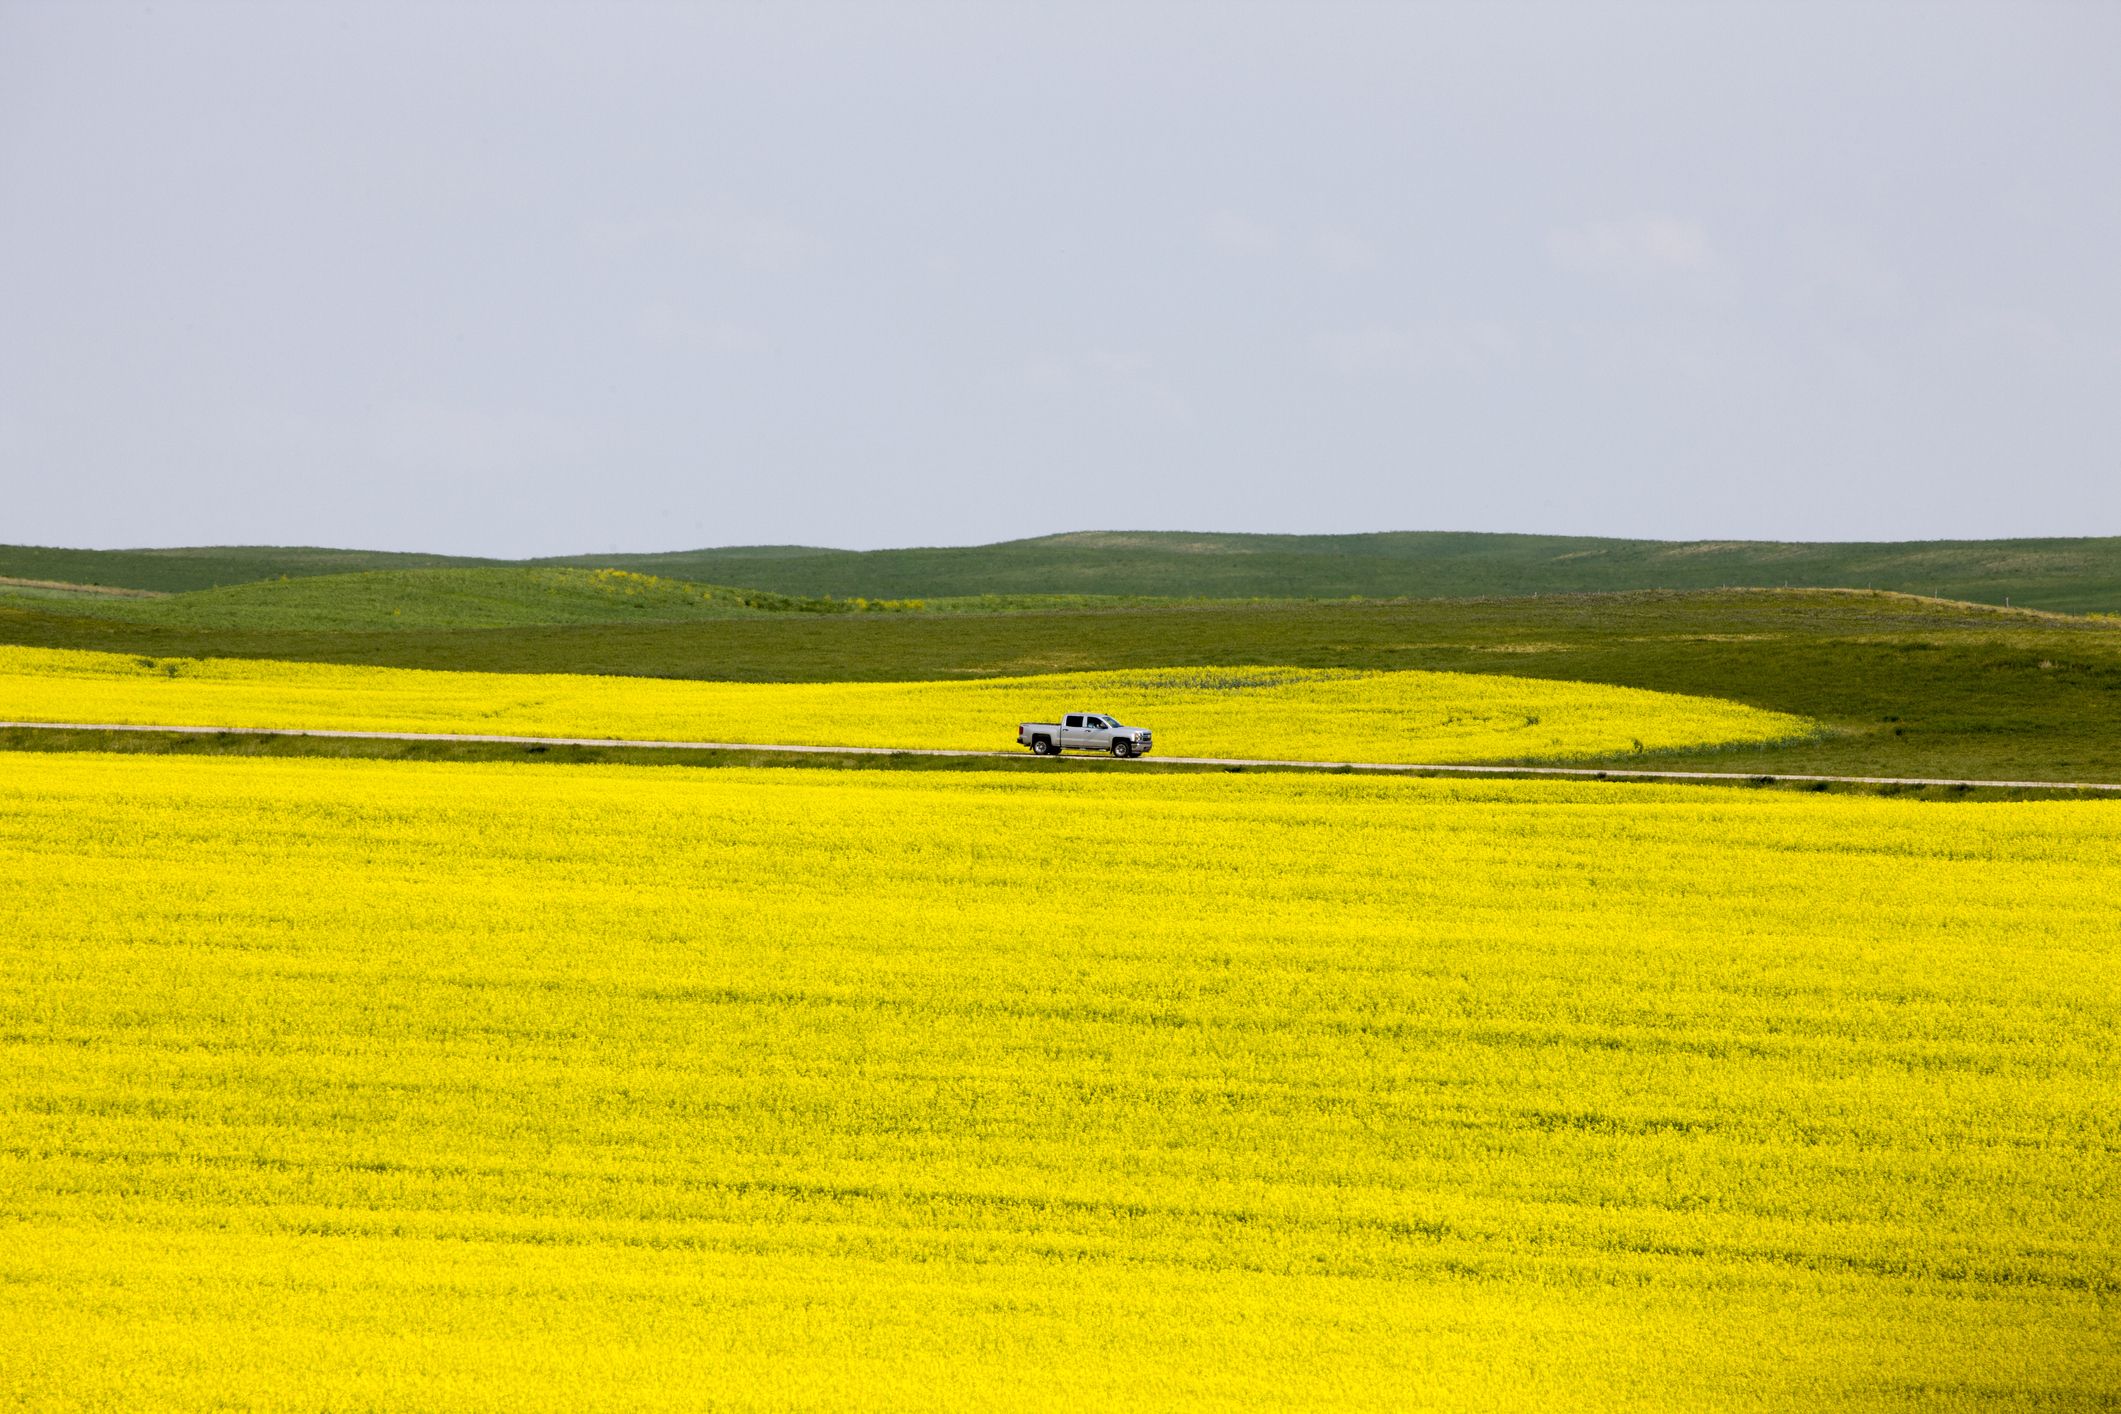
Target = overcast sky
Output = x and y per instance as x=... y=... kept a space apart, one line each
x=529 y=279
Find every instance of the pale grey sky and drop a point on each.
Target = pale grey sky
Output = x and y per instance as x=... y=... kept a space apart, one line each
x=523 y=279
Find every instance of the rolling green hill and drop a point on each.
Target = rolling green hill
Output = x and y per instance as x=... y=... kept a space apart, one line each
x=2070 y=575
x=173 y=571
x=496 y=596
x=471 y=598
x=2067 y=575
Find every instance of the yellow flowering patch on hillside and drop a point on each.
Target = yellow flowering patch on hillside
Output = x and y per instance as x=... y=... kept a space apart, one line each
x=1283 y=713
x=358 y=1085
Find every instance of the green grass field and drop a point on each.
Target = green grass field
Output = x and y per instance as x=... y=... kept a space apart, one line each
x=2073 y=575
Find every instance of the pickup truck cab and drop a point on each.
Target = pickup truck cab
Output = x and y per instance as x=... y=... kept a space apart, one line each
x=1083 y=731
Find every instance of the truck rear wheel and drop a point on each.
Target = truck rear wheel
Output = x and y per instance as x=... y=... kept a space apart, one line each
x=1041 y=746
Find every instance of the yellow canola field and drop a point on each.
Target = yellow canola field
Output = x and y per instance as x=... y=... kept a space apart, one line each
x=1285 y=713
x=353 y=1084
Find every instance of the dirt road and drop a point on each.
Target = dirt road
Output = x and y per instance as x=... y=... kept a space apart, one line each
x=1583 y=772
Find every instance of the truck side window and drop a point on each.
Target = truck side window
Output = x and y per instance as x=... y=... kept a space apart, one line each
x=1073 y=722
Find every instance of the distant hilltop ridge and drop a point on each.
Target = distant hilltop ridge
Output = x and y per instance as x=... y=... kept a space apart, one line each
x=2066 y=574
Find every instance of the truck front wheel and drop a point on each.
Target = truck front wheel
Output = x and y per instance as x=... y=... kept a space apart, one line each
x=1123 y=749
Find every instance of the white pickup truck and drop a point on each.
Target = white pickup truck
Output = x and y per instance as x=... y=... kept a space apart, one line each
x=1083 y=731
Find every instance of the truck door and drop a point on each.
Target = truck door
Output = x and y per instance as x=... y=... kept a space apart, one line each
x=1072 y=733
